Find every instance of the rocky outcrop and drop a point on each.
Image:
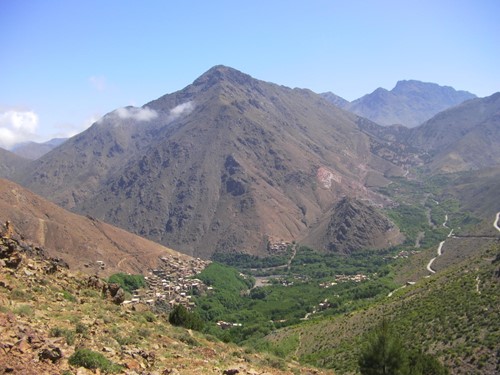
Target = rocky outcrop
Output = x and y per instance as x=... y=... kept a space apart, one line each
x=353 y=225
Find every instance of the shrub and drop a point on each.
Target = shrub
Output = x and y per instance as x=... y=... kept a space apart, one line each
x=81 y=328
x=149 y=316
x=128 y=282
x=20 y=295
x=92 y=360
x=180 y=316
x=187 y=339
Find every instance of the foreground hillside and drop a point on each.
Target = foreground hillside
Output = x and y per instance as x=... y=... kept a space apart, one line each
x=55 y=321
x=452 y=315
x=83 y=242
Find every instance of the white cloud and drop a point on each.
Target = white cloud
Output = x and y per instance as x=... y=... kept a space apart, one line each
x=98 y=82
x=138 y=114
x=181 y=109
x=17 y=126
x=70 y=130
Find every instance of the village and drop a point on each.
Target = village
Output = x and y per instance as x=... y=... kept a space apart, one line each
x=172 y=283
x=345 y=278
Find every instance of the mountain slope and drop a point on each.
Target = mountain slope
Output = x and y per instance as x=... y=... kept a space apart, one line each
x=409 y=103
x=353 y=225
x=11 y=163
x=462 y=138
x=452 y=315
x=335 y=99
x=78 y=240
x=58 y=321
x=217 y=166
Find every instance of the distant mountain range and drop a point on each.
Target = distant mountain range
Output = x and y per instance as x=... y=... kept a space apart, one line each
x=34 y=150
x=465 y=137
x=409 y=103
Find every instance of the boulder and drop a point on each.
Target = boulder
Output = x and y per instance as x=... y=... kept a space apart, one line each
x=52 y=354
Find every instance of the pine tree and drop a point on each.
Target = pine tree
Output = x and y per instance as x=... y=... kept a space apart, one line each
x=383 y=353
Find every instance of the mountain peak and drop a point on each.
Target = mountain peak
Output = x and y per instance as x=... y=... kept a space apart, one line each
x=221 y=73
x=410 y=103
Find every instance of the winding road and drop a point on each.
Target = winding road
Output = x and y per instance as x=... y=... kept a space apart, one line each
x=495 y=223
x=440 y=252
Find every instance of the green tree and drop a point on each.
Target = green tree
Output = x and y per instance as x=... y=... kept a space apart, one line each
x=383 y=353
x=128 y=282
x=180 y=316
x=425 y=364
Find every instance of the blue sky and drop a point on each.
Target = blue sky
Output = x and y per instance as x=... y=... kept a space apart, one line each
x=64 y=64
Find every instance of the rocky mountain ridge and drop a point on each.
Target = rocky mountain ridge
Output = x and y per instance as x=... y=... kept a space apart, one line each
x=10 y=163
x=409 y=103
x=465 y=137
x=217 y=166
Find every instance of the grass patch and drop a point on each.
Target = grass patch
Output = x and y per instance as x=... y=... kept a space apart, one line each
x=24 y=310
x=68 y=296
x=20 y=295
x=62 y=332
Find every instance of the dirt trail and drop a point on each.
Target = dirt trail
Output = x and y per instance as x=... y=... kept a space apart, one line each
x=41 y=232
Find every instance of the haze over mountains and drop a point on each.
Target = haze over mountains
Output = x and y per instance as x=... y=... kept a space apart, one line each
x=35 y=150
x=409 y=103
x=10 y=163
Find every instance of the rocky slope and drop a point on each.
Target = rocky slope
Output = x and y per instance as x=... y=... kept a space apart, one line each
x=466 y=137
x=409 y=103
x=353 y=225
x=48 y=314
x=80 y=241
x=218 y=166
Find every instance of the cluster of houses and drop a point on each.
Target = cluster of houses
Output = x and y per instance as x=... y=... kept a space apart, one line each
x=345 y=278
x=172 y=282
x=404 y=254
x=227 y=325
x=275 y=247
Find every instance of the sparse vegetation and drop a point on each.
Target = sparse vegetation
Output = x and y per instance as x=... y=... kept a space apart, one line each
x=62 y=332
x=24 y=310
x=92 y=360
